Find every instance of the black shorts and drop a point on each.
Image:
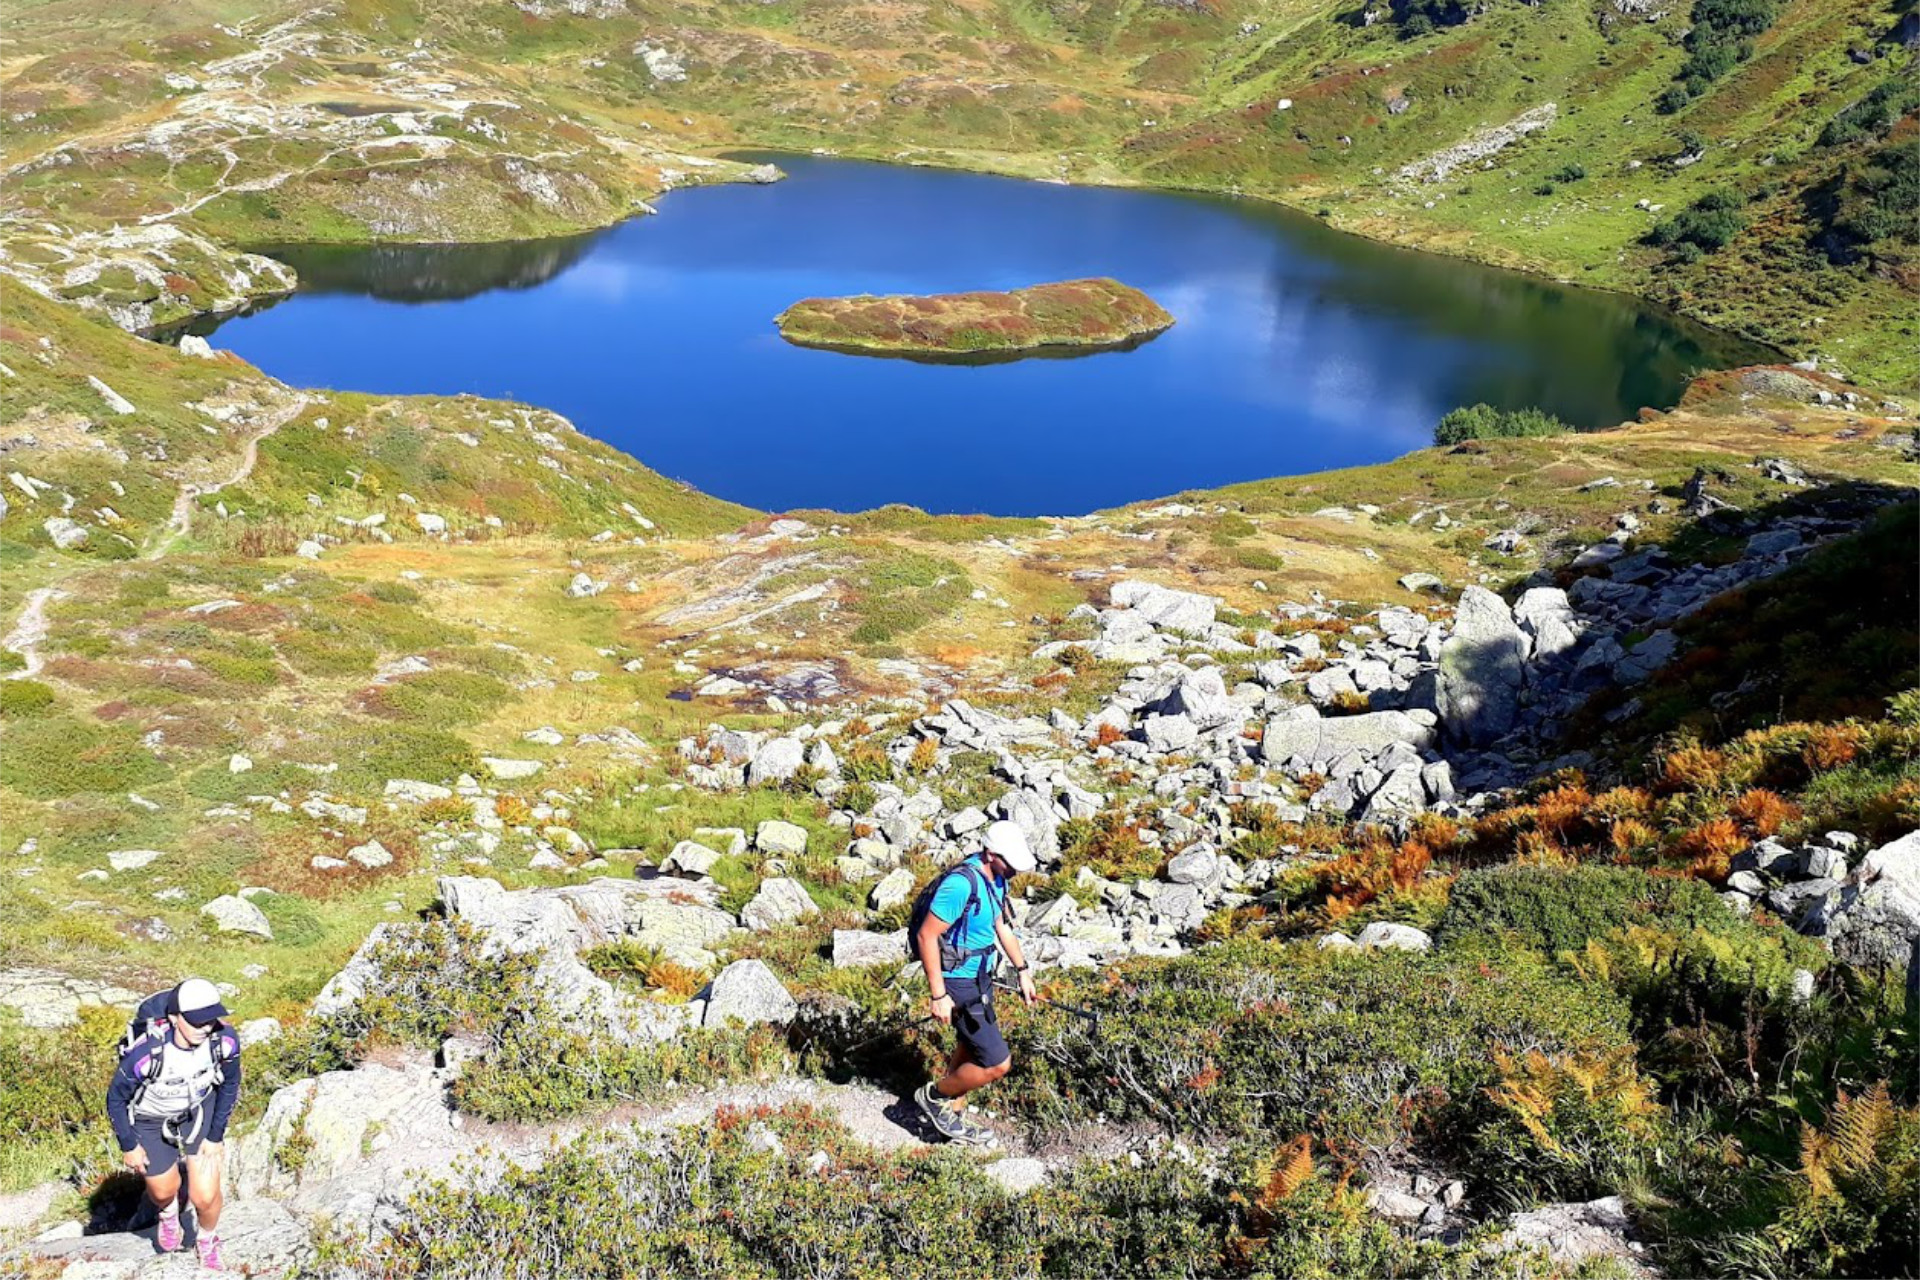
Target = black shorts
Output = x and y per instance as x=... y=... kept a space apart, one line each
x=166 y=1140
x=976 y=1023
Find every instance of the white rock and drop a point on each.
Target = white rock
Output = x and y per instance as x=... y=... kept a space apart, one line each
x=237 y=915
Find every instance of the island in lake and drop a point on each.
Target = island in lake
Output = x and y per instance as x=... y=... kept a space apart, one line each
x=1067 y=317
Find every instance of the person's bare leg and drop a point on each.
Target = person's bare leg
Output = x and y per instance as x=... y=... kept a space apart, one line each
x=164 y=1190
x=203 y=1188
x=964 y=1075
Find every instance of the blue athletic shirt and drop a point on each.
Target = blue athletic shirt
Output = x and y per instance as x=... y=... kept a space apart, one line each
x=950 y=901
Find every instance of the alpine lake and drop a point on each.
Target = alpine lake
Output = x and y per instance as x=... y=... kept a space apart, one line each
x=1295 y=348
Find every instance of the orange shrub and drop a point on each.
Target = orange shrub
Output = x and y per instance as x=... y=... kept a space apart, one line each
x=1692 y=767
x=1830 y=746
x=1108 y=734
x=1764 y=812
x=1710 y=847
x=926 y=753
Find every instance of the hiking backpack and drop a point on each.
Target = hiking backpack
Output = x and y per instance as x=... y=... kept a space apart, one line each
x=952 y=954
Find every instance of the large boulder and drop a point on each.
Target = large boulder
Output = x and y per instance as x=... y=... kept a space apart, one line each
x=777 y=761
x=1311 y=737
x=780 y=901
x=683 y=932
x=1546 y=616
x=1873 y=916
x=747 y=991
x=1201 y=696
x=1165 y=607
x=1482 y=666
x=856 y=949
x=231 y=914
x=333 y=1118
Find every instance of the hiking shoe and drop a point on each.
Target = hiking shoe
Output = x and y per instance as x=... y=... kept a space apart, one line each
x=209 y=1247
x=168 y=1235
x=939 y=1112
x=974 y=1135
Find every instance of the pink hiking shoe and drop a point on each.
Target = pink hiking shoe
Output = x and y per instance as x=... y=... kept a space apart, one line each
x=169 y=1236
x=209 y=1247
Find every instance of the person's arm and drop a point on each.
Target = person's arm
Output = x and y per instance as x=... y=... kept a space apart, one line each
x=1010 y=945
x=229 y=1091
x=120 y=1091
x=927 y=944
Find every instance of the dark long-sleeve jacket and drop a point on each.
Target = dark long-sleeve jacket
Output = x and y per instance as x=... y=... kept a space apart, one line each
x=137 y=1061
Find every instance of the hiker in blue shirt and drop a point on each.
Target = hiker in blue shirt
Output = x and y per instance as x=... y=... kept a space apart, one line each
x=959 y=926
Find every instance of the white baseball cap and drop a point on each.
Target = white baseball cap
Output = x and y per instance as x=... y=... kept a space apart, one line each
x=1010 y=842
x=198 y=1001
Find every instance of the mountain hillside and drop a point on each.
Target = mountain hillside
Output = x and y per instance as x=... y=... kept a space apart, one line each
x=1500 y=861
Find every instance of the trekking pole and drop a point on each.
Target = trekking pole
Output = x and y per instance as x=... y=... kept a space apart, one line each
x=1074 y=1009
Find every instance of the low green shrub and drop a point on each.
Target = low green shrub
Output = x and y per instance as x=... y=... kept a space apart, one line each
x=56 y=755
x=1707 y=225
x=24 y=699
x=763 y=1195
x=1550 y=910
x=52 y=1084
x=1253 y=1038
x=1484 y=422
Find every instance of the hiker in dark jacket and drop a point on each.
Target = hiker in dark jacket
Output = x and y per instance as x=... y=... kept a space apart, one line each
x=170 y=1098
x=958 y=944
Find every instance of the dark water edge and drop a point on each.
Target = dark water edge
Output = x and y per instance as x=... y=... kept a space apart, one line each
x=1298 y=348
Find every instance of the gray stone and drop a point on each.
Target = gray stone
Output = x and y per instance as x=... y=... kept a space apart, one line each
x=747 y=991
x=1819 y=863
x=237 y=915
x=1646 y=657
x=1399 y=937
x=683 y=932
x=1332 y=683
x=1169 y=733
x=777 y=761
x=779 y=901
x=370 y=855
x=1571 y=1234
x=782 y=839
x=893 y=890
x=1546 y=617
x=510 y=770
x=856 y=949
x=1201 y=696
x=133 y=859
x=1873 y=918
x=1018 y=1175
x=1198 y=864
x=690 y=858
x=1313 y=738
x=1165 y=607
x=1481 y=667
x=1400 y=794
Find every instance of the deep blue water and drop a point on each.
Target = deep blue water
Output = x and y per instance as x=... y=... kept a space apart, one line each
x=1296 y=348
